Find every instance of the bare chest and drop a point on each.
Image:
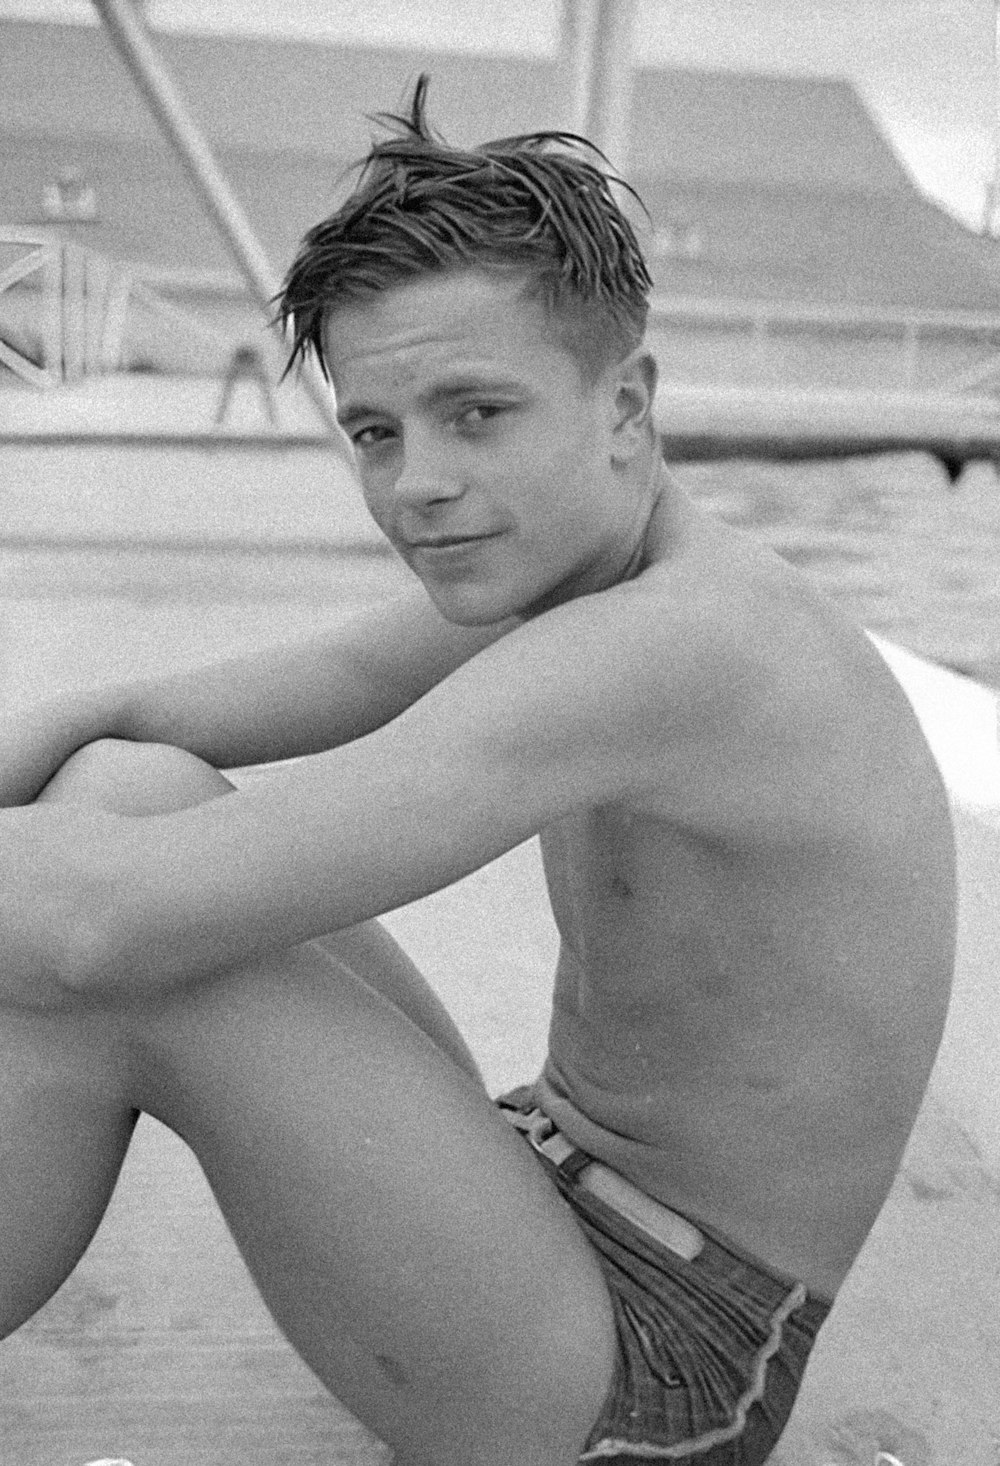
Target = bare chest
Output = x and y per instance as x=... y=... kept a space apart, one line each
x=660 y=985
x=722 y=1018
x=641 y=911
x=684 y=958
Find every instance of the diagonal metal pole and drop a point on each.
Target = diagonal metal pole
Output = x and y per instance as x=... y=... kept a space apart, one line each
x=993 y=191
x=596 y=48
x=131 y=38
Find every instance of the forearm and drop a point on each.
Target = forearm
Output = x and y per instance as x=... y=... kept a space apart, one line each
x=305 y=697
x=282 y=703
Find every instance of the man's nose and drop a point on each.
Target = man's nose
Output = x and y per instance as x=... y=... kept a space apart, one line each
x=425 y=478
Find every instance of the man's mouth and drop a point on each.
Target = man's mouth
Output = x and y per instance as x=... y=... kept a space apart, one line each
x=446 y=541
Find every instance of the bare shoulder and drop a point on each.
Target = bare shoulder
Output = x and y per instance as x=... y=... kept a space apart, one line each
x=404 y=643
x=771 y=710
x=717 y=690
x=661 y=674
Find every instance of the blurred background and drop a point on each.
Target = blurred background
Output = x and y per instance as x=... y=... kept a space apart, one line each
x=821 y=181
x=821 y=184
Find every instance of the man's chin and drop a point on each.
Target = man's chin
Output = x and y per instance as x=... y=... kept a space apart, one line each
x=469 y=607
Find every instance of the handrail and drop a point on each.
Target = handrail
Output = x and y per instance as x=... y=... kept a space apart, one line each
x=912 y=328
x=86 y=298
x=44 y=256
x=665 y=307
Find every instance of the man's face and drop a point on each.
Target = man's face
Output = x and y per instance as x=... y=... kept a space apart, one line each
x=483 y=454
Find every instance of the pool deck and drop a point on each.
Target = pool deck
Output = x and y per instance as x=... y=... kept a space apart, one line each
x=158 y=1347
x=159 y=1350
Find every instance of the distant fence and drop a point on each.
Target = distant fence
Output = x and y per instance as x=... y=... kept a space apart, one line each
x=815 y=345
x=81 y=315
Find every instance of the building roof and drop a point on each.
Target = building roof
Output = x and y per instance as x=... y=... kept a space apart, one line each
x=147 y=210
x=839 y=247
x=260 y=95
x=784 y=188
x=746 y=130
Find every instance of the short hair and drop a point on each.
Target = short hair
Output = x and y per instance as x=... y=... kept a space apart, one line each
x=535 y=205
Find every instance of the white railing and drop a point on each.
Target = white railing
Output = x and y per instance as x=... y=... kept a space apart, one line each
x=914 y=330
x=86 y=300
x=42 y=257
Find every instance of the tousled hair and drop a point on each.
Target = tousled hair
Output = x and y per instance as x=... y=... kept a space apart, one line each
x=534 y=205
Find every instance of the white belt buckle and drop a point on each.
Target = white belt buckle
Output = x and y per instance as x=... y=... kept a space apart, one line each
x=615 y=1190
x=644 y=1212
x=556 y=1148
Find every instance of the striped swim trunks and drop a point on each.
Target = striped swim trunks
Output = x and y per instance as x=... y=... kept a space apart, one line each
x=712 y=1345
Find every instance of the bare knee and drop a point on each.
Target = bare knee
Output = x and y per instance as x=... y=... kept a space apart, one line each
x=135 y=778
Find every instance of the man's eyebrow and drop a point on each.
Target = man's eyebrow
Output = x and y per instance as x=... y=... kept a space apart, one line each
x=460 y=386
x=348 y=416
x=444 y=391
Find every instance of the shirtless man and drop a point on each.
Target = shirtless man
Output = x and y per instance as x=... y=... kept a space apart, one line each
x=746 y=844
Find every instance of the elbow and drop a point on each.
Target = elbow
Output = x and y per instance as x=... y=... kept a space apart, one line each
x=112 y=951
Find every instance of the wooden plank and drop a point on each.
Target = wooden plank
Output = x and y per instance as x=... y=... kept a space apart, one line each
x=52 y=314
x=159 y=1349
x=97 y=280
x=115 y=318
x=74 y=321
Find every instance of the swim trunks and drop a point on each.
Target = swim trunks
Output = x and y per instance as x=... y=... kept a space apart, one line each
x=712 y=1345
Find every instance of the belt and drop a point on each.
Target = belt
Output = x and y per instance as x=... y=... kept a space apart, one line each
x=667 y=1227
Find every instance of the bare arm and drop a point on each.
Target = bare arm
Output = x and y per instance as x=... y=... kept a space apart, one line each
x=285 y=701
x=555 y=717
x=304 y=697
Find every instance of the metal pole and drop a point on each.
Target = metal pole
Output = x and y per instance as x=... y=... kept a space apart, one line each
x=991 y=200
x=597 y=53
x=577 y=48
x=993 y=194
x=131 y=38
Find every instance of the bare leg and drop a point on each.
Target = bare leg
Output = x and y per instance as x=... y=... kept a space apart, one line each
x=66 y=1119
x=401 y=1234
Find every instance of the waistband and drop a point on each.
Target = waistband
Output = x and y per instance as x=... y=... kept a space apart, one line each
x=666 y=1227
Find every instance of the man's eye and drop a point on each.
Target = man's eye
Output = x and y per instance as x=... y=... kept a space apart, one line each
x=481 y=413
x=370 y=437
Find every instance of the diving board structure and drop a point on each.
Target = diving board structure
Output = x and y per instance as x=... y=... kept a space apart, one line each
x=82 y=309
x=791 y=250
x=704 y=423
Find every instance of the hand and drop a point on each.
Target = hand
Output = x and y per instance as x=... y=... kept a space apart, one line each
x=56 y=885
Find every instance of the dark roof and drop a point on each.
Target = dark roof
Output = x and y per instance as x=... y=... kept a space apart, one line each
x=148 y=210
x=260 y=95
x=840 y=247
x=791 y=188
x=723 y=127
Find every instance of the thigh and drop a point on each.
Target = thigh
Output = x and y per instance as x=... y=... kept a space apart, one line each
x=369 y=953
x=65 y=1124
x=403 y=1236
x=148 y=778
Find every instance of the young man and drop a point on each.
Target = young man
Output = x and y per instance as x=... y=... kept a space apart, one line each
x=746 y=844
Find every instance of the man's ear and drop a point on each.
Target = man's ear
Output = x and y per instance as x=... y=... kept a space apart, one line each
x=634 y=390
